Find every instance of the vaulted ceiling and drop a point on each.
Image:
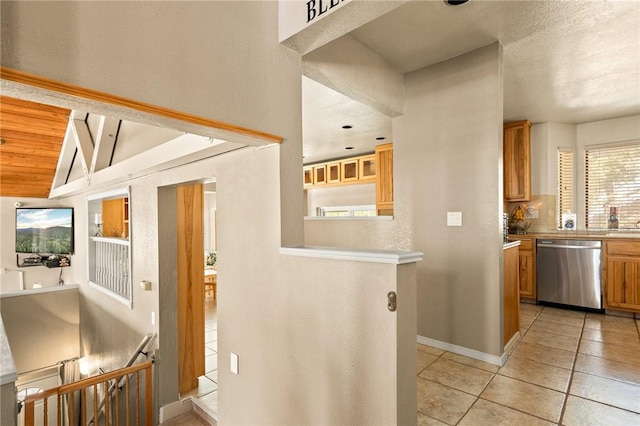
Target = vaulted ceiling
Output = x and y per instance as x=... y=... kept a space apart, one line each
x=31 y=138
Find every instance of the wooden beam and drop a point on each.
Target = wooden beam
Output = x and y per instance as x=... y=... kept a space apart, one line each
x=84 y=144
x=65 y=159
x=105 y=143
x=94 y=95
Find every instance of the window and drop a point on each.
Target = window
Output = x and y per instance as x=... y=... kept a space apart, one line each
x=348 y=211
x=612 y=185
x=109 y=254
x=565 y=183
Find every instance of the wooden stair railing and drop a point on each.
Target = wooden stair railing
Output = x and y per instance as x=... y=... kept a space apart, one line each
x=92 y=383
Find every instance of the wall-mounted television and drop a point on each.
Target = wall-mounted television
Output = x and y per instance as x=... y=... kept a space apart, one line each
x=47 y=230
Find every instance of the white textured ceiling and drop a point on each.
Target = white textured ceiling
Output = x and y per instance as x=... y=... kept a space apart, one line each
x=564 y=61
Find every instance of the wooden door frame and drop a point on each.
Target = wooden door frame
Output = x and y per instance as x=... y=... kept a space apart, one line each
x=190 y=301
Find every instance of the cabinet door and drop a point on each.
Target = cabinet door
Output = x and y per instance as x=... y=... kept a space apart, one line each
x=527 y=278
x=113 y=218
x=384 y=179
x=333 y=172
x=319 y=175
x=349 y=169
x=307 y=176
x=367 y=167
x=623 y=283
x=517 y=162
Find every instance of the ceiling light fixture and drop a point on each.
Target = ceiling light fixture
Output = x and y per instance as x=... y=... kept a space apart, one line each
x=347 y=126
x=455 y=2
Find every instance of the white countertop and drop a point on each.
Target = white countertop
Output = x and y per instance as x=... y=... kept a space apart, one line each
x=510 y=245
x=27 y=292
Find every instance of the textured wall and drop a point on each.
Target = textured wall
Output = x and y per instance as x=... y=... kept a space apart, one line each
x=42 y=328
x=447 y=157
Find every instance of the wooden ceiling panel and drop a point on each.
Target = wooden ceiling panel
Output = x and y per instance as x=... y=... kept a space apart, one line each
x=32 y=136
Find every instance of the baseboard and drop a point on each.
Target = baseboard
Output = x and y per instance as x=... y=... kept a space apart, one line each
x=174 y=409
x=509 y=346
x=461 y=350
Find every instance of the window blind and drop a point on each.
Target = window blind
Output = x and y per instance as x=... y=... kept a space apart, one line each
x=565 y=184
x=612 y=181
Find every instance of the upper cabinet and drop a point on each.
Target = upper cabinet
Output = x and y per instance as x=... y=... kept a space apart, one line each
x=517 y=161
x=115 y=217
x=376 y=167
x=384 y=179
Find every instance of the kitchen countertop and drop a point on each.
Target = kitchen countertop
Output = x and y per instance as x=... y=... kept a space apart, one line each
x=583 y=235
x=511 y=244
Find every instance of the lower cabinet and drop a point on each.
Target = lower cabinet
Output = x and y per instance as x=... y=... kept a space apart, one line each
x=527 y=263
x=622 y=278
x=511 y=294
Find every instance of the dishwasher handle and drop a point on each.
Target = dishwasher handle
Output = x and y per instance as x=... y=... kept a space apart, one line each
x=568 y=246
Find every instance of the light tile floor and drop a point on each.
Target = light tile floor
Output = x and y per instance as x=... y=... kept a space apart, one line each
x=569 y=368
x=207 y=391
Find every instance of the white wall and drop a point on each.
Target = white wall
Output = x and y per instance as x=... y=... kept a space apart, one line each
x=447 y=157
x=41 y=275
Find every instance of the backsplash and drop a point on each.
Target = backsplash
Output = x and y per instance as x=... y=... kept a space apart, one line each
x=540 y=212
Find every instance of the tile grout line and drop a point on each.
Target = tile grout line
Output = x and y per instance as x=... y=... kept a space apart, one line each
x=573 y=369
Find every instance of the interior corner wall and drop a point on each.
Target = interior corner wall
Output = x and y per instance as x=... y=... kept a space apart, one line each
x=447 y=158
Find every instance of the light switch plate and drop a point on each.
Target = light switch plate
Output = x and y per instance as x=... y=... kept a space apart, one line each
x=454 y=218
x=234 y=363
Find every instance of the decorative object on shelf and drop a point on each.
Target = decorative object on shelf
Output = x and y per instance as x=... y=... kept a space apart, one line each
x=211 y=258
x=612 y=222
x=98 y=223
x=52 y=261
x=569 y=221
x=518 y=223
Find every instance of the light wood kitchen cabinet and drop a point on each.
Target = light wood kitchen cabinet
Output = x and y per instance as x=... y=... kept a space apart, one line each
x=622 y=285
x=333 y=172
x=367 y=167
x=320 y=175
x=307 y=176
x=527 y=263
x=349 y=169
x=384 y=179
x=115 y=218
x=511 y=294
x=517 y=161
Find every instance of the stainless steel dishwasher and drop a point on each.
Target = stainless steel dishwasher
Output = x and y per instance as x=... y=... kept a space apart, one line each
x=568 y=272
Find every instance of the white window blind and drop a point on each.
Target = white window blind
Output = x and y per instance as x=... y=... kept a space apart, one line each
x=612 y=180
x=565 y=183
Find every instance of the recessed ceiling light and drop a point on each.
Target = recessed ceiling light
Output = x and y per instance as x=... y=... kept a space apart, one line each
x=347 y=126
x=348 y=147
x=380 y=138
x=455 y=2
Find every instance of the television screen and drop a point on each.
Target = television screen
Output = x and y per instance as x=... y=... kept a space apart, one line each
x=44 y=230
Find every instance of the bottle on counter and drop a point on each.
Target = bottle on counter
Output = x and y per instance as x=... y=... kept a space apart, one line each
x=613 y=222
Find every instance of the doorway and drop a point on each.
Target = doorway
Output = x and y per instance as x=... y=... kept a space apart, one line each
x=197 y=295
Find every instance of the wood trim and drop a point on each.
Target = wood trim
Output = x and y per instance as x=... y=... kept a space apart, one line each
x=21 y=77
x=190 y=251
